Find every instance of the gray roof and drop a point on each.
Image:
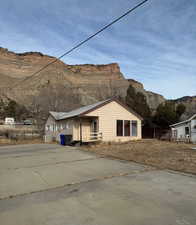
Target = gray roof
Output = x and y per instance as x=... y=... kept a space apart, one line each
x=185 y=121
x=77 y=112
x=57 y=115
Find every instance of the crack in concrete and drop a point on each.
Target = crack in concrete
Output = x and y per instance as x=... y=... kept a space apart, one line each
x=80 y=183
x=14 y=155
x=188 y=174
x=48 y=164
x=37 y=173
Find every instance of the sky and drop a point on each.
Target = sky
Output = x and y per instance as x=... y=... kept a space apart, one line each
x=155 y=45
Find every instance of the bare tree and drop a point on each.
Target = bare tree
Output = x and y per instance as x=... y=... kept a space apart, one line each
x=53 y=98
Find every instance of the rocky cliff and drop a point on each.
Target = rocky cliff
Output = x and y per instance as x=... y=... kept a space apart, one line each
x=153 y=99
x=87 y=83
x=190 y=103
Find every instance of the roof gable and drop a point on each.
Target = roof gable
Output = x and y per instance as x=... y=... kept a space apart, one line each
x=119 y=103
x=89 y=108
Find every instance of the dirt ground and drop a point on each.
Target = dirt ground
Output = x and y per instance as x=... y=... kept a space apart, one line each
x=161 y=154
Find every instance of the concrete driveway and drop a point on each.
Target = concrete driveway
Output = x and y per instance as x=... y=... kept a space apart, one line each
x=54 y=185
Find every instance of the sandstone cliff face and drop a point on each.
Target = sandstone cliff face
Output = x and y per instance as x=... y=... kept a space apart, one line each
x=112 y=68
x=19 y=66
x=152 y=98
x=89 y=83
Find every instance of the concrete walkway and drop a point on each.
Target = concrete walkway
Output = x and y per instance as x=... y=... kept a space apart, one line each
x=50 y=184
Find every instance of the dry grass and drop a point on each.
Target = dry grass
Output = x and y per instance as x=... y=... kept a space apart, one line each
x=7 y=141
x=161 y=154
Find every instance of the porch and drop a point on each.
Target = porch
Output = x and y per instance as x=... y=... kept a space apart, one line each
x=86 y=129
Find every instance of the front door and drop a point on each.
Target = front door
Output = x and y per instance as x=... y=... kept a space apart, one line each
x=94 y=129
x=94 y=126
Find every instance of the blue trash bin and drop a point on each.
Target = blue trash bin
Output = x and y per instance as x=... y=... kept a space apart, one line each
x=62 y=139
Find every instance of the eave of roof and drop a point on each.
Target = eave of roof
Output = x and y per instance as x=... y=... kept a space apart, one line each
x=56 y=115
x=183 y=122
x=76 y=112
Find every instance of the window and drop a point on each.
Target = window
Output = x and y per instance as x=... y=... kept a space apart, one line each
x=186 y=130
x=175 y=133
x=63 y=125
x=134 y=128
x=127 y=128
x=55 y=127
x=94 y=126
x=67 y=125
x=119 y=127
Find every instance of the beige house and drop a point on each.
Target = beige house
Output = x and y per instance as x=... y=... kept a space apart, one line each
x=106 y=121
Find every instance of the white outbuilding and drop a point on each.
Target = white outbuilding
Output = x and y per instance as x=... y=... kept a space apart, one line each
x=185 y=130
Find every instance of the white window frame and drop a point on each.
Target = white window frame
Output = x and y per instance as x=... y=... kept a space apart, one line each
x=132 y=128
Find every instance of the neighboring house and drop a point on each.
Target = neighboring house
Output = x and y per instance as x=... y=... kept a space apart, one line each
x=107 y=120
x=9 y=121
x=185 y=130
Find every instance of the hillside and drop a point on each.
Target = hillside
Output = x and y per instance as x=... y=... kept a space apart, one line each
x=190 y=103
x=62 y=86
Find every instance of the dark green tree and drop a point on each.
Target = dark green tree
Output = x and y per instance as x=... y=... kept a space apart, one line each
x=142 y=106
x=180 y=109
x=167 y=114
x=137 y=102
x=131 y=97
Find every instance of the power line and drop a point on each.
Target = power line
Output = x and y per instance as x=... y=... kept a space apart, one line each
x=86 y=40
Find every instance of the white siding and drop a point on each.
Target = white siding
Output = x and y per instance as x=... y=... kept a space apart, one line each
x=193 y=131
x=181 y=131
x=58 y=127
